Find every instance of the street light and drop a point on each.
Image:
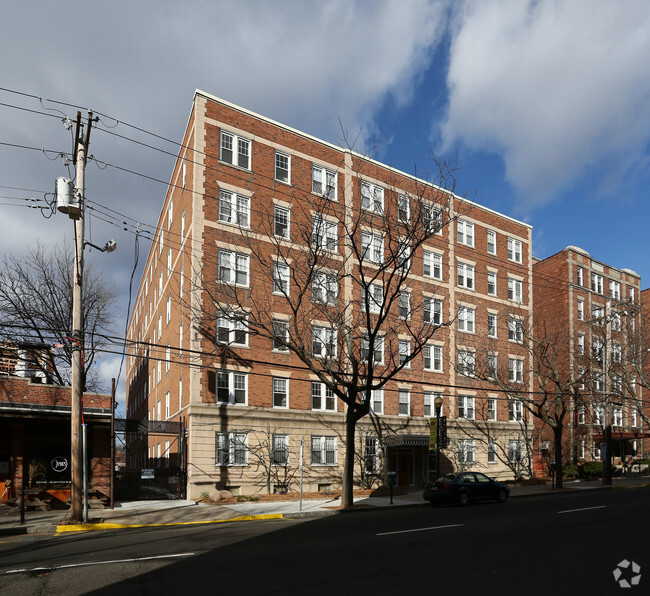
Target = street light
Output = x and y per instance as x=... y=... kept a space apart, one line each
x=438 y=405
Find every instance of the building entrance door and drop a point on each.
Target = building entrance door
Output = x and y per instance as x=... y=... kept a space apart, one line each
x=404 y=468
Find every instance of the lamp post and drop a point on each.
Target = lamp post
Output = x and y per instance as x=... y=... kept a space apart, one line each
x=438 y=405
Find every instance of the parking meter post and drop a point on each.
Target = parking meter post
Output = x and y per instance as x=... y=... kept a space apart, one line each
x=392 y=480
x=552 y=467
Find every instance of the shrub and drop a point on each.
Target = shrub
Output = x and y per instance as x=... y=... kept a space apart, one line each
x=571 y=470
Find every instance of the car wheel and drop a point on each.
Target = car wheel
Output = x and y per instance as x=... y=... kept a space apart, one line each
x=463 y=499
x=502 y=496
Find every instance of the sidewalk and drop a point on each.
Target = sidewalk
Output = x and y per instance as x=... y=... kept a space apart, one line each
x=172 y=512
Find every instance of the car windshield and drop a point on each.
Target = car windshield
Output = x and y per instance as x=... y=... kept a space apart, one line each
x=446 y=478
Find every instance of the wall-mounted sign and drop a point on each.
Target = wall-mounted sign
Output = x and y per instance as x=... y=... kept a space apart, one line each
x=59 y=463
x=147 y=474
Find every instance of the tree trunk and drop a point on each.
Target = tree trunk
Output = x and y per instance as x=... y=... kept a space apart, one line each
x=557 y=437
x=347 y=484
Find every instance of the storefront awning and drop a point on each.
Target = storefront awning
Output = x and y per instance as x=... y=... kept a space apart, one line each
x=407 y=441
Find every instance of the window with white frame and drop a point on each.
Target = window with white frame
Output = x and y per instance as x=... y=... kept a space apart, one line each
x=280 y=335
x=372 y=298
x=466 y=451
x=404 y=305
x=631 y=293
x=168 y=357
x=372 y=197
x=582 y=414
x=372 y=247
x=598 y=314
x=491 y=409
x=404 y=402
x=281 y=278
x=597 y=283
x=280 y=450
x=432 y=358
x=466 y=319
x=465 y=275
x=323 y=451
x=429 y=403
x=580 y=276
x=168 y=309
x=323 y=342
x=597 y=381
x=403 y=208
x=515 y=410
x=323 y=182
x=234 y=208
x=466 y=363
x=281 y=221
x=466 y=407
x=235 y=150
x=432 y=264
x=322 y=398
x=581 y=377
x=581 y=310
x=491 y=242
x=617 y=416
x=371 y=455
x=432 y=310
x=515 y=330
x=492 y=324
x=403 y=256
x=233 y=267
x=232 y=387
x=167 y=405
x=404 y=351
x=492 y=283
x=280 y=392
x=169 y=260
x=515 y=450
x=377 y=350
x=324 y=234
x=515 y=370
x=617 y=383
x=232 y=329
x=615 y=321
x=282 y=167
x=182 y=225
x=465 y=232
x=634 y=417
x=492 y=451
x=599 y=415
x=597 y=347
x=515 y=290
x=617 y=352
x=231 y=449
x=431 y=218
x=492 y=365
x=377 y=401
x=614 y=290
x=581 y=344
x=324 y=287
x=514 y=250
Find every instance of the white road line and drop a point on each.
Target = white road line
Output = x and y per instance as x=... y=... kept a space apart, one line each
x=420 y=530
x=71 y=565
x=583 y=509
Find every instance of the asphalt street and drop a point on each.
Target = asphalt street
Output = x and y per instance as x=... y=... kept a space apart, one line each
x=563 y=544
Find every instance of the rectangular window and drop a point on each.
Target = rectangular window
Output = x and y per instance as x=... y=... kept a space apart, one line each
x=581 y=344
x=432 y=358
x=280 y=336
x=431 y=218
x=465 y=232
x=617 y=353
x=580 y=276
x=581 y=414
x=281 y=219
x=233 y=268
x=515 y=290
x=281 y=279
x=492 y=365
x=429 y=408
x=323 y=182
x=432 y=311
x=232 y=329
x=598 y=315
x=432 y=263
x=515 y=330
x=235 y=150
x=597 y=283
x=466 y=319
x=322 y=398
x=615 y=321
x=234 y=208
x=466 y=363
x=491 y=242
x=280 y=450
x=492 y=325
x=403 y=208
x=167 y=405
x=231 y=449
x=372 y=247
x=377 y=350
x=232 y=387
x=324 y=288
x=466 y=407
x=492 y=283
x=466 y=451
x=617 y=416
x=280 y=392
x=599 y=415
x=372 y=298
x=168 y=309
x=581 y=310
x=371 y=455
x=404 y=305
x=465 y=276
x=404 y=402
x=614 y=290
x=515 y=450
x=515 y=410
x=323 y=342
x=377 y=401
x=597 y=349
x=514 y=250
x=168 y=357
x=515 y=370
x=372 y=197
x=492 y=409
x=492 y=451
x=403 y=256
x=404 y=351
x=324 y=234
x=323 y=451
x=282 y=167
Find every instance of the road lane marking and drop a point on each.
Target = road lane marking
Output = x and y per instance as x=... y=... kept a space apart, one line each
x=90 y=563
x=419 y=530
x=583 y=509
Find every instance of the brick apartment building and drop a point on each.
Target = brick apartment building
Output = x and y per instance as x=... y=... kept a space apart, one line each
x=250 y=201
x=592 y=310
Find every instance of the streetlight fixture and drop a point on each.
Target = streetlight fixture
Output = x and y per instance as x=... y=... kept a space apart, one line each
x=438 y=405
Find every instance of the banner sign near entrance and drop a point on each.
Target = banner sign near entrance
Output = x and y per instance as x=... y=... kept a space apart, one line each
x=59 y=463
x=433 y=425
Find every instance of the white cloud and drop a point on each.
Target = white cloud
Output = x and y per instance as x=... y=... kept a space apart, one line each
x=558 y=89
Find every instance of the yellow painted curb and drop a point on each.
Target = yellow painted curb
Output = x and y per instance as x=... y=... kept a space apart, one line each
x=109 y=526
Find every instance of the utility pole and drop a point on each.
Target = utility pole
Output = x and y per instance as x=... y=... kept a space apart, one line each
x=77 y=491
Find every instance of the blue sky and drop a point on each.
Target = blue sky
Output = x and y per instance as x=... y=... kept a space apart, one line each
x=545 y=104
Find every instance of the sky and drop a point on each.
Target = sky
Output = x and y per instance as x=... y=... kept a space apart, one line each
x=543 y=104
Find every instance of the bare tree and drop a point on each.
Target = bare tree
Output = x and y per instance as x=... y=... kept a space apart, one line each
x=36 y=306
x=269 y=451
x=343 y=275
